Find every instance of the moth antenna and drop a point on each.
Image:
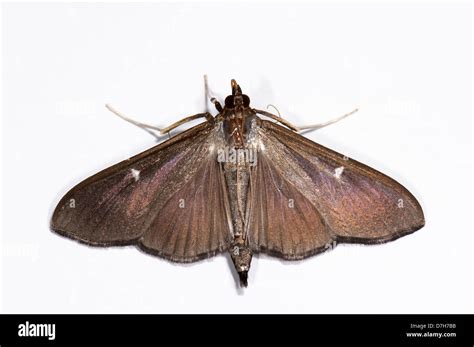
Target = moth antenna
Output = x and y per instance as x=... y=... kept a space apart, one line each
x=208 y=96
x=276 y=109
x=142 y=126
x=325 y=124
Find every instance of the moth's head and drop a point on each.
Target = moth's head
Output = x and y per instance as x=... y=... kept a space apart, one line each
x=237 y=99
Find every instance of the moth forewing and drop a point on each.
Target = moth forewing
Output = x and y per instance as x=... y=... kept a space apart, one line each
x=358 y=203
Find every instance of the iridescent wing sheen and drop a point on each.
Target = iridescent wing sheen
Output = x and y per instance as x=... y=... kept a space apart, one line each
x=168 y=200
x=195 y=222
x=355 y=203
x=281 y=220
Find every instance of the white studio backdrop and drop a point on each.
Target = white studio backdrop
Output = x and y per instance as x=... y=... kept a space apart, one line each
x=406 y=67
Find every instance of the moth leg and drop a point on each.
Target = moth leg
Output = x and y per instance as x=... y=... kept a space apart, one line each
x=304 y=127
x=206 y=115
x=142 y=126
x=277 y=118
x=164 y=130
x=325 y=124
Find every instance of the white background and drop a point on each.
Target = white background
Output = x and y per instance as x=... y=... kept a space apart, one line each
x=407 y=67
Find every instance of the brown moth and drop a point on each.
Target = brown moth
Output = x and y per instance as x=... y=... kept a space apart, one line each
x=241 y=184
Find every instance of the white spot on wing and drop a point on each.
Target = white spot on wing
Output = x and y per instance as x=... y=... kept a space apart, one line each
x=338 y=172
x=262 y=146
x=136 y=174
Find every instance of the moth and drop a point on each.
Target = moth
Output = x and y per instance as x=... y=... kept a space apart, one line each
x=237 y=183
